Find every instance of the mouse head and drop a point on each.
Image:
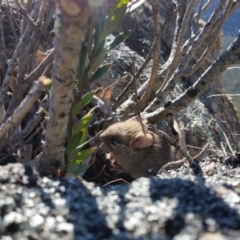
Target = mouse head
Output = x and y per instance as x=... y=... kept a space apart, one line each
x=127 y=135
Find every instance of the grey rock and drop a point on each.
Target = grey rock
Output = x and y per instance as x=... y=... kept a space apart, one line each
x=179 y=206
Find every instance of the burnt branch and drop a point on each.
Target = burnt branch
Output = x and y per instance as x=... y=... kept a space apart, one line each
x=229 y=57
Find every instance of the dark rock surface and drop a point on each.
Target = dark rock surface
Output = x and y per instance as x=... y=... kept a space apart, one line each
x=200 y=202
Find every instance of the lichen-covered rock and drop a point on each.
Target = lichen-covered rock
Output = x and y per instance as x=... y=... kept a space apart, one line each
x=183 y=204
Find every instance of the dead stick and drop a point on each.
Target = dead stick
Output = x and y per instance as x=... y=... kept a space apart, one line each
x=24 y=107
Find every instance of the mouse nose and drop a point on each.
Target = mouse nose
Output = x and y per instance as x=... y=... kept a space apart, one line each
x=98 y=140
x=102 y=136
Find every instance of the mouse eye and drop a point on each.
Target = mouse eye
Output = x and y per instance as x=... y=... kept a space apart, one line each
x=113 y=141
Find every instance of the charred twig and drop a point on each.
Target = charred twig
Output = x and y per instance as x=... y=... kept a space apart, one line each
x=116 y=180
x=200 y=153
x=173 y=165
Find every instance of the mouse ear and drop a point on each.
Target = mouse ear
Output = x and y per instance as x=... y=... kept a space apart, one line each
x=141 y=140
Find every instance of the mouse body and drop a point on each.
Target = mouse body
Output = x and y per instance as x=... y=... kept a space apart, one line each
x=134 y=149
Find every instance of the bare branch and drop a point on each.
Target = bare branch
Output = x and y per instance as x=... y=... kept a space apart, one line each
x=20 y=47
x=204 y=8
x=206 y=31
x=21 y=89
x=156 y=52
x=176 y=54
x=137 y=76
x=161 y=95
x=29 y=6
x=70 y=35
x=180 y=31
x=10 y=20
x=33 y=39
x=33 y=122
x=197 y=15
x=25 y=13
x=229 y=57
x=127 y=107
x=24 y=107
x=2 y=50
x=2 y=62
x=207 y=51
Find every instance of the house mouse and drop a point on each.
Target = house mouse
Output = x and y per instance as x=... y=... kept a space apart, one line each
x=134 y=149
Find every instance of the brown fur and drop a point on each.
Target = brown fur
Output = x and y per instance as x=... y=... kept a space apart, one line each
x=134 y=151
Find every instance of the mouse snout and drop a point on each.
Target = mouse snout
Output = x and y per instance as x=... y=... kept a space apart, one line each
x=97 y=141
x=102 y=137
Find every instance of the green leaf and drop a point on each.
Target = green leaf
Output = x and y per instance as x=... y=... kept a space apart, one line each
x=84 y=101
x=83 y=56
x=100 y=72
x=101 y=47
x=120 y=38
x=97 y=49
x=87 y=98
x=99 y=36
x=75 y=109
x=76 y=165
x=73 y=142
x=76 y=169
x=116 y=16
x=73 y=167
x=83 y=123
x=81 y=144
x=98 y=60
x=83 y=138
x=84 y=154
x=111 y=22
x=83 y=168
